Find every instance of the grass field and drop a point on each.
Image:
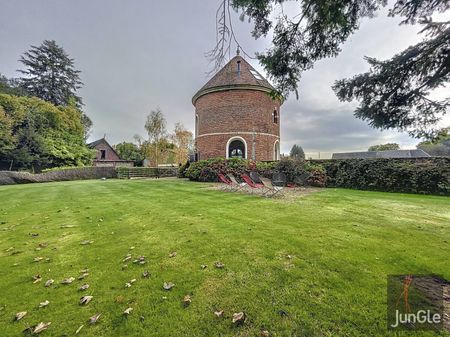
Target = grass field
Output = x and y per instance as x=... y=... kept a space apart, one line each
x=313 y=267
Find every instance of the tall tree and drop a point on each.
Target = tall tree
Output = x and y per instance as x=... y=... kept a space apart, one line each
x=130 y=151
x=50 y=74
x=35 y=134
x=297 y=152
x=183 y=140
x=393 y=94
x=157 y=134
x=384 y=147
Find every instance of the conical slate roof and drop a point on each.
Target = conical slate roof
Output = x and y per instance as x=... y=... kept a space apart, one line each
x=229 y=78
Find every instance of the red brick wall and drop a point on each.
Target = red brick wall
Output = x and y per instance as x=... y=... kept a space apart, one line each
x=237 y=113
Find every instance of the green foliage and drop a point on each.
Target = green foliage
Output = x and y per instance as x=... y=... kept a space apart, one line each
x=440 y=146
x=11 y=87
x=384 y=147
x=183 y=169
x=50 y=74
x=297 y=152
x=429 y=176
x=36 y=134
x=130 y=151
x=394 y=93
x=207 y=170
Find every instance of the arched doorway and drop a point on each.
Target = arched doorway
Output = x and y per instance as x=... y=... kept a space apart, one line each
x=236 y=148
x=276 y=150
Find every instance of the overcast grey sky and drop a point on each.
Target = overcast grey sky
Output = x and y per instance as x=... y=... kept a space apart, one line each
x=138 y=54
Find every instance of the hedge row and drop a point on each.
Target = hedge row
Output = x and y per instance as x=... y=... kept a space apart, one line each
x=419 y=175
x=79 y=173
x=297 y=172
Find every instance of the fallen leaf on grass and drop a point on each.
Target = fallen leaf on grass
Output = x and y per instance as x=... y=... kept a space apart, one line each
x=39 y=328
x=128 y=311
x=38 y=258
x=238 y=318
x=168 y=285
x=84 y=271
x=79 y=329
x=84 y=287
x=86 y=242
x=48 y=283
x=127 y=285
x=127 y=258
x=219 y=265
x=34 y=234
x=44 y=304
x=187 y=300
x=94 y=318
x=9 y=249
x=82 y=276
x=125 y=266
x=218 y=313
x=264 y=333
x=173 y=254
x=37 y=278
x=68 y=280
x=67 y=226
x=203 y=266
x=85 y=299
x=146 y=274
x=20 y=315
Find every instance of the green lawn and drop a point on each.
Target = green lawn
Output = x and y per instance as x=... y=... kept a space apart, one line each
x=342 y=244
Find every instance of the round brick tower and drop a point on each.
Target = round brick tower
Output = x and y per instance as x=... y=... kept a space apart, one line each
x=235 y=116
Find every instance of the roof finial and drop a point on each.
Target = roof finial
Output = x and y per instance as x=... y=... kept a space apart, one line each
x=238 y=51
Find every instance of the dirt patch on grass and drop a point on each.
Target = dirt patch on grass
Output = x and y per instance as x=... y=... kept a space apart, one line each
x=288 y=194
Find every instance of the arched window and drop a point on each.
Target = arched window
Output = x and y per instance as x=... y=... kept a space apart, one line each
x=276 y=150
x=236 y=148
x=275 y=116
x=196 y=125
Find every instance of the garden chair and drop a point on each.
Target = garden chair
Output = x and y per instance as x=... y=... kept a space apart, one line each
x=255 y=177
x=237 y=186
x=279 y=179
x=228 y=184
x=250 y=182
x=271 y=190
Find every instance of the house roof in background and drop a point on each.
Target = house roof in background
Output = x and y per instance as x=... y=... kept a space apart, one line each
x=415 y=153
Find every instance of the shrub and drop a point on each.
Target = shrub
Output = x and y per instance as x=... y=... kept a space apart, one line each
x=424 y=176
x=317 y=177
x=183 y=168
x=208 y=170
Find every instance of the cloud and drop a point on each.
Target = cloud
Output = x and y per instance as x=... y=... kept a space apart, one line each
x=143 y=54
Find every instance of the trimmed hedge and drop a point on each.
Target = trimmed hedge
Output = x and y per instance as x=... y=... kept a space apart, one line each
x=418 y=175
x=79 y=173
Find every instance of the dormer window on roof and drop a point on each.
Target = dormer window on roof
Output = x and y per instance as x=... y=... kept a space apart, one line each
x=256 y=75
